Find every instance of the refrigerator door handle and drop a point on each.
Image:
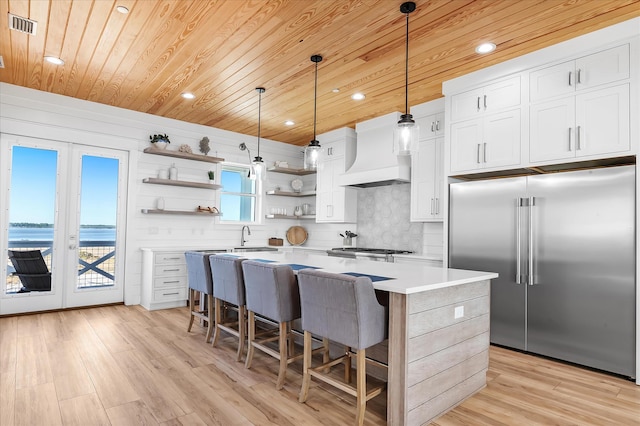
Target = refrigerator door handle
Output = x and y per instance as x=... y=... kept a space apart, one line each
x=518 y=240
x=530 y=276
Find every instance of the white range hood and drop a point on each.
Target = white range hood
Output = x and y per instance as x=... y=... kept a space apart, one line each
x=376 y=164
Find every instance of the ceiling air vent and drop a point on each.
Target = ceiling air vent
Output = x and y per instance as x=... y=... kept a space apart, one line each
x=21 y=24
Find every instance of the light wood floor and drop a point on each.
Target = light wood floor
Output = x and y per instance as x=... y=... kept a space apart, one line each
x=121 y=365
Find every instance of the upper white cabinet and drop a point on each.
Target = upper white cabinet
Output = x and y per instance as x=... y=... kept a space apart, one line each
x=574 y=113
x=427 y=172
x=335 y=203
x=486 y=99
x=583 y=73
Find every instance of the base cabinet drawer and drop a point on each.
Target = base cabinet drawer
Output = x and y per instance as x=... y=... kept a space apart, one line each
x=170 y=295
x=164 y=279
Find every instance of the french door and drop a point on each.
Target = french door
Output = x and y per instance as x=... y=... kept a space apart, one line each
x=68 y=202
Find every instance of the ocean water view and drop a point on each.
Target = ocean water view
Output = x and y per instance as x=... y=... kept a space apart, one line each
x=46 y=234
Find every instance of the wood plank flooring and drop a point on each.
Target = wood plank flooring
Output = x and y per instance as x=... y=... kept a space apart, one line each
x=123 y=365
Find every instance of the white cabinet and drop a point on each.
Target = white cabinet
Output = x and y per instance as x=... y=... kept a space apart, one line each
x=427 y=181
x=335 y=203
x=431 y=126
x=580 y=74
x=164 y=279
x=491 y=141
x=486 y=99
x=591 y=123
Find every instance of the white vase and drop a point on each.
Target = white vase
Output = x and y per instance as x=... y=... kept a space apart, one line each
x=173 y=172
x=160 y=203
x=160 y=144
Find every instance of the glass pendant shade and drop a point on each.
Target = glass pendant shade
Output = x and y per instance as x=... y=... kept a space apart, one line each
x=311 y=155
x=259 y=168
x=405 y=136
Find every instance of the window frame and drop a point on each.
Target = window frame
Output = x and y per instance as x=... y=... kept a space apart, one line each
x=258 y=195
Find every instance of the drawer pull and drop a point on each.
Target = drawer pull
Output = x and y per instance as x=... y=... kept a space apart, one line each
x=170 y=270
x=171 y=282
x=170 y=294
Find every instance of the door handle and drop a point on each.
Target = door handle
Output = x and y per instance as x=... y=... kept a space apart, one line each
x=72 y=246
x=432 y=126
x=432 y=204
x=578 y=138
x=518 y=240
x=484 y=152
x=579 y=80
x=437 y=125
x=485 y=101
x=530 y=276
x=570 y=72
x=570 y=146
x=437 y=206
x=478 y=103
x=478 y=154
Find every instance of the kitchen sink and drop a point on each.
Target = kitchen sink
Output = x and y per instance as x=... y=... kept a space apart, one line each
x=249 y=249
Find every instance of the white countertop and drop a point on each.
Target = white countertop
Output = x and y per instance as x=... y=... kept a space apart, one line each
x=407 y=279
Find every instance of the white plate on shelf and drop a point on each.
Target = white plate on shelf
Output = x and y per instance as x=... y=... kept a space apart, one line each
x=296 y=184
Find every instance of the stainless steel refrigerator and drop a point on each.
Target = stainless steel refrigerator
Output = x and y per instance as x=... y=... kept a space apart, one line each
x=564 y=246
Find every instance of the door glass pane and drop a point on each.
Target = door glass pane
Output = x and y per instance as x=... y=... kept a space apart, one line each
x=98 y=214
x=31 y=218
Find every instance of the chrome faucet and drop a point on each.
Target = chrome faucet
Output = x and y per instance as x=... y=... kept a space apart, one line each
x=242 y=240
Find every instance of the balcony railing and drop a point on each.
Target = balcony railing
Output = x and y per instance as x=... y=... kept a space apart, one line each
x=96 y=263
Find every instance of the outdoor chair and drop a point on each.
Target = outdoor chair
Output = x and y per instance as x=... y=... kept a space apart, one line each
x=31 y=269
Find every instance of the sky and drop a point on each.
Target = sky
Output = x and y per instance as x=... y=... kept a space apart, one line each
x=33 y=183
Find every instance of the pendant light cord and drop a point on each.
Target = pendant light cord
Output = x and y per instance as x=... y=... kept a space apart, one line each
x=259 y=114
x=315 y=102
x=406 y=75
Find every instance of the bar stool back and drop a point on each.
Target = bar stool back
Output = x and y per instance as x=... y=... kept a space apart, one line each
x=344 y=309
x=229 y=289
x=271 y=292
x=199 y=278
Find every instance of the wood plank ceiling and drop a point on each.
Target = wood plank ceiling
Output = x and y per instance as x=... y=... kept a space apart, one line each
x=221 y=50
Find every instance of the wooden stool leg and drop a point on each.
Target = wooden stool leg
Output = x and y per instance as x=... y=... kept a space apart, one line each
x=290 y=340
x=191 y=309
x=210 y=320
x=361 y=386
x=306 y=364
x=242 y=330
x=347 y=364
x=217 y=321
x=282 y=343
x=252 y=337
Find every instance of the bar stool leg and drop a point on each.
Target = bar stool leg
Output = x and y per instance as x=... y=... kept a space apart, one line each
x=361 y=386
x=217 y=320
x=252 y=337
x=282 y=343
x=191 y=309
x=242 y=330
x=306 y=364
x=210 y=320
x=347 y=364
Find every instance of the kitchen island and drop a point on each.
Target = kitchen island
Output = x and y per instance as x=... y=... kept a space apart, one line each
x=438 y=347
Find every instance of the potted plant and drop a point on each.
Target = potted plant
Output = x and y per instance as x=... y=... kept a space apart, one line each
x=160 y=141
x=211 y=176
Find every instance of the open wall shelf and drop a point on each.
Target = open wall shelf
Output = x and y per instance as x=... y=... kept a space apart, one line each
x=180 y=212
x=297 y=172
x=185 y=155
x=181 y=183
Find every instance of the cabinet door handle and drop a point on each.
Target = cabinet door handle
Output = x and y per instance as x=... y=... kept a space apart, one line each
x=578 y=139
x=478 y=103
x=432 y=206
x=579 y=81
x=437 y=124
x=437 y=206
x=484 y=152
x=478 y=154
x=432 y=126
x=570 y=146
x=485 y=101
x=570 y=72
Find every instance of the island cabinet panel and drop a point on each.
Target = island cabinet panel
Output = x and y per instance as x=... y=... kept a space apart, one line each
x=438 y=350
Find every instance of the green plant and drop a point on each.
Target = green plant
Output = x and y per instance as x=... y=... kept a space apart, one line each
x=159 y=138
x=211 y=174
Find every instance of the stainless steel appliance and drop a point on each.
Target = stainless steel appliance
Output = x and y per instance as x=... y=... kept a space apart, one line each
x=380 y=255
x=564 y=246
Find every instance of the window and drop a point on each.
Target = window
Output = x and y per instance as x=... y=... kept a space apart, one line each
x=238 y=199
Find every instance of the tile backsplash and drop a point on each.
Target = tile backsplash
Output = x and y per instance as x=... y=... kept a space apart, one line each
x=383 y=219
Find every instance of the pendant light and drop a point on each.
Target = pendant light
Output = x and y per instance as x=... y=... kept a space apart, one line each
x=405 y=136
x=312 y=151
x=259 y=167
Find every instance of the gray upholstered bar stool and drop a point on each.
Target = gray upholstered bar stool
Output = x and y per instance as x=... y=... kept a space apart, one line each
x=272 y=293
x=343 y=309
x=199 y=278
x=229 y=289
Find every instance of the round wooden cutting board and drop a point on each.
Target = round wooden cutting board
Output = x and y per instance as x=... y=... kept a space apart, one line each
x=297 y=235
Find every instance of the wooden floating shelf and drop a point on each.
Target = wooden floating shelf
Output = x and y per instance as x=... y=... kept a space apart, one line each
x=179 y=212
x=292 y=194
x=181 y=183
x=297 y=172
x=282 y=216
x=185 y=155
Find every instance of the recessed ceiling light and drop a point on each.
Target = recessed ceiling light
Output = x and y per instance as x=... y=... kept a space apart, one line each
x=357 y=96
x=485 y=48
x=188 y=95
x=54 y=60
x=336 y=90
x=289 y=123
x=122 y=9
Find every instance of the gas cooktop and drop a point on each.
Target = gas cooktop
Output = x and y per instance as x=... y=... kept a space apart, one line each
x=371 y=250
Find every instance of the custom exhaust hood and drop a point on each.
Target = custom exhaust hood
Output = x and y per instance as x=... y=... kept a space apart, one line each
x=376 y=164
